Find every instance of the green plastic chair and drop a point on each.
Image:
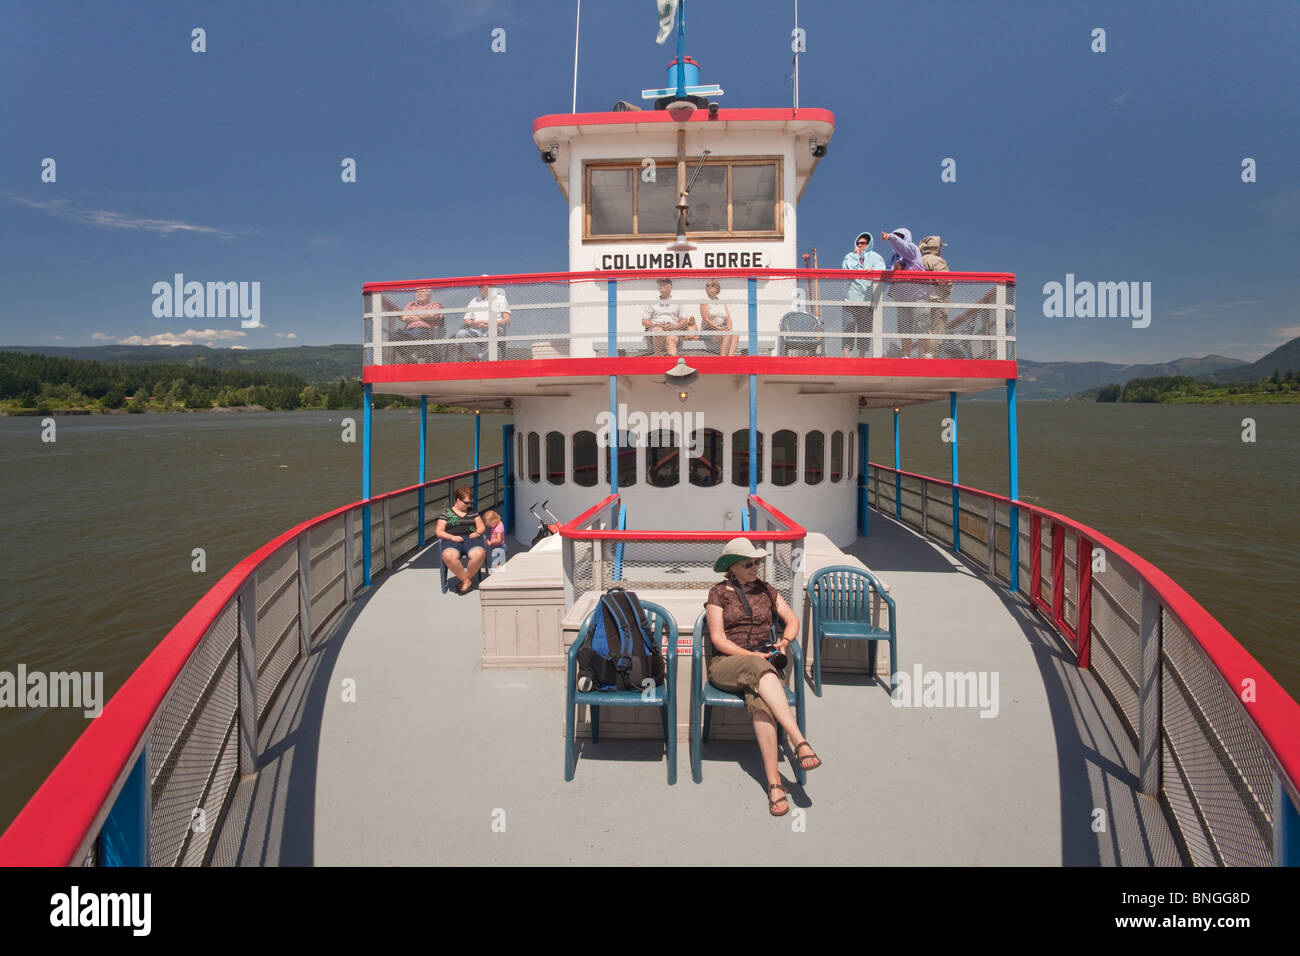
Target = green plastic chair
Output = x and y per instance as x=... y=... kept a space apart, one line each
x=840 y=597
x=704 y=697
x=663 y=696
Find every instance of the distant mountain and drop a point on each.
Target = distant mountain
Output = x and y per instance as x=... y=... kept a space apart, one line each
x=318 y=364
x=1283 y=359
x=1068 y=379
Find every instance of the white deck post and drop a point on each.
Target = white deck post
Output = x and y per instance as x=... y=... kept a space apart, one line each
x=1001 y=320
x=349 y=553
x=388 y=541
x=566 y=551
x=304 y=593
x=877 y=320
x=1149 y=717
x=377 y=327
x=991 y=537
x=493 y=315
x=247 y=666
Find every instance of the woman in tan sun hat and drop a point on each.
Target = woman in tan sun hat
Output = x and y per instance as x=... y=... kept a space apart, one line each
x=739 y=613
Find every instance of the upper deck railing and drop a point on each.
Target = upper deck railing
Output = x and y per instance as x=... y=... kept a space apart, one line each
x=151 y=778
x=946 y=315
x=1216 y=735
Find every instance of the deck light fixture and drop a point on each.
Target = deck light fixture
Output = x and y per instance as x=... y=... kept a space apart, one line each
x=681 y=377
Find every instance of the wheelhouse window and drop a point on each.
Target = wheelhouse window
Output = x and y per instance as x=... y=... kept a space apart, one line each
x=706 y=467
x=519 y=457
x=814 y=455
x=534 y=457
x=555 y=457
x=730 y=197
x=740 y=457
x=663 y=459
x=852 y=459
x=585 y=459
x=785 y=457
x=837 y=456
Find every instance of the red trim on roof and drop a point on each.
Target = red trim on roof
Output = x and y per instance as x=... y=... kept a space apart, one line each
x=636 y=117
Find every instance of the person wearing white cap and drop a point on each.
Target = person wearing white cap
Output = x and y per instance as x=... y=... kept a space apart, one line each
x=739 y=612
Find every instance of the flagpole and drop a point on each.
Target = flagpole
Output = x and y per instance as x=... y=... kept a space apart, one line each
x=796 y=55
x=576 y=23
x=681 y=50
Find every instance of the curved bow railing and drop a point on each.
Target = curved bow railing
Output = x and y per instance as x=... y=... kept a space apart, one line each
x=150 y=779
x=1215 y=733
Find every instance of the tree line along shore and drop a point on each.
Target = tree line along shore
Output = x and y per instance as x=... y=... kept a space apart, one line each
x=36 y=384
x=1278 y=389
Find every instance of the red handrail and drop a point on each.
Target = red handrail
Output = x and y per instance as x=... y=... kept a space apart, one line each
x=1273 y=711
x=50 y=829
x=622 y=275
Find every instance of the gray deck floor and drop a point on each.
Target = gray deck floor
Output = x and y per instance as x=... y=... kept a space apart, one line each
x=441 y=762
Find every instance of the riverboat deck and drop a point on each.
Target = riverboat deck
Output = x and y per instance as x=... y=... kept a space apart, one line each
x=440 y=761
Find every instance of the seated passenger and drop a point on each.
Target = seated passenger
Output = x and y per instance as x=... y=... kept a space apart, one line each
x=478 y=318
x=716 y=317
x=424 y=320
x=663 y=317
x=739 y=613
x=495 y=539
x=461 y=531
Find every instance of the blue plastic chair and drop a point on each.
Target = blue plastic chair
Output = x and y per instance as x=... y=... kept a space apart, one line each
x=840 y=597
x=442 y=568
x=704 y=697
x=663 y=696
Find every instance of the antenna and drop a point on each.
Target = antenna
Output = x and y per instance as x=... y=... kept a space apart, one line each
x=796 y=56
x=576 y=23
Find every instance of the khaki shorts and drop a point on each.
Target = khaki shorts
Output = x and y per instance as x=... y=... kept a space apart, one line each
x=740 y=674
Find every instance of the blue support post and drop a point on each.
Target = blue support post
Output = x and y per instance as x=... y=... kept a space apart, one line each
x=864 y=502
x=367 y=403
x=424 y=444
x=612 y=339
x=124 y=837
x=681 y=50
x=752 y=294
x=508 y=466
x=1286 y=827
x=898 y=479
x=477 y=422
x=956 y=505
x=1013 y=479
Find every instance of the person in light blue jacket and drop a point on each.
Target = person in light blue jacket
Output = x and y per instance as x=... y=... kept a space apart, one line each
x=857 y=318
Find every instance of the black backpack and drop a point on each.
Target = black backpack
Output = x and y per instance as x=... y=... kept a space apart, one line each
x=620 y=652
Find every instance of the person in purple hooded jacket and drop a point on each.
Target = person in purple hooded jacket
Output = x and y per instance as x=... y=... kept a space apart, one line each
x=906 y=257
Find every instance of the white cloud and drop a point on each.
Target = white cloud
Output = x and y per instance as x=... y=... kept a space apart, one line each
x=101 y=337
x=107 y=219
x=286 y=335
x=163 y=338
x=215 y=334
x=243 y=348
x=57 y=338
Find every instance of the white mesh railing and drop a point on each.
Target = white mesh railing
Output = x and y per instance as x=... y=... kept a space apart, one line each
x=1197 y=745
x=769 y=312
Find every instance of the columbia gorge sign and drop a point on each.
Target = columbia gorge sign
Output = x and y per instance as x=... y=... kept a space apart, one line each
x=681 y=260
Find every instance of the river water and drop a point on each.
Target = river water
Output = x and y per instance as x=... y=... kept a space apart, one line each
x=99 y=525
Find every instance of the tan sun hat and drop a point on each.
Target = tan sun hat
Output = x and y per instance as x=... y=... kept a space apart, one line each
x=737 y=549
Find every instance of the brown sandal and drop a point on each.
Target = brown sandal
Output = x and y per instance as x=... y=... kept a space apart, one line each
x=772 y=804
x=810 y=755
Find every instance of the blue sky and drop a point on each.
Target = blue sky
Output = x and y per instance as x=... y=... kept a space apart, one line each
x=1115 y=166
